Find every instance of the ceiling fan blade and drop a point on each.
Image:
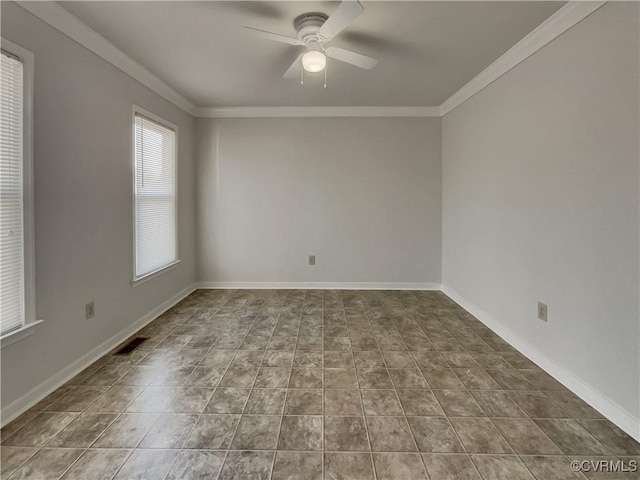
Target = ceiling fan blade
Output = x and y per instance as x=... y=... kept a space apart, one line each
x=274 y=36
x=294 y=70
x=353 y=58
x=345 y=15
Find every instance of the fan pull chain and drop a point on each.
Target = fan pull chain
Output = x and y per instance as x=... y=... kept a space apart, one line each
x=301 y=75
x=325 y=76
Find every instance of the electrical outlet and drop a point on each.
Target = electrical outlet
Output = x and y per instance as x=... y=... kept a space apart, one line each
x=542 y=311
x=90 y=310
x=312 y=259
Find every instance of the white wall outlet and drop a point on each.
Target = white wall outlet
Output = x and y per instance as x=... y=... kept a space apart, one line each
x=542 y=311
x=312 y=259
x=90 y=310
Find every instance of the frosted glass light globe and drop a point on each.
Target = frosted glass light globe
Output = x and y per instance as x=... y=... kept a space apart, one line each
x=314 y=61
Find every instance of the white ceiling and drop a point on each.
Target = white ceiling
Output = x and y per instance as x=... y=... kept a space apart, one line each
x=426 y=50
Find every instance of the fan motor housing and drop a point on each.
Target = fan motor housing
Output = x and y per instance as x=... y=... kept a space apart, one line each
x=308 y=24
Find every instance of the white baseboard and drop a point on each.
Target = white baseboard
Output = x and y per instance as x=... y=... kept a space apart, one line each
x=607 y=407
x=318 y=285
x=29 y=399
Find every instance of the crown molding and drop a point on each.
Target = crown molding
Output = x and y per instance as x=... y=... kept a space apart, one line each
x=273 y=112
x=72 y=27
x=558 y=23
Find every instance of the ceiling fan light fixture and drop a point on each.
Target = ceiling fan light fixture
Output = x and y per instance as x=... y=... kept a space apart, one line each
x=314 y=61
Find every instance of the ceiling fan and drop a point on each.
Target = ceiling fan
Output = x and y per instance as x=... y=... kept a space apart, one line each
x=314 y=31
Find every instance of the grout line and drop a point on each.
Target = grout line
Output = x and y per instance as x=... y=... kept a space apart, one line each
x=466 y=389
x=74 y=462
x=37 y=449
x=453 y=369
x=364 y=413
x=404 y=411
x=510 y=395
x=445 y=413
x=286 y=391
x=235 y=431
x=186 y=438
x=135 y=398
x=194 y=424
x=324 y=473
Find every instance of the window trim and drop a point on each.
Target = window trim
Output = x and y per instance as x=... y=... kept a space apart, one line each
x=28 y=210
x=137 y=110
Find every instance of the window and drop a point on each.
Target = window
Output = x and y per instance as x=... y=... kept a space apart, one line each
x=17 y=292
x=155 y=209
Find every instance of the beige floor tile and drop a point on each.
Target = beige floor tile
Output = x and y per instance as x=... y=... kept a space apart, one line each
x=12 y=457
x=266 y=401
x=479 y=435
x=197 y=465
x=342 y=402
x=304 y=402
x=348 y=465
x=297 y=466
x=446 y=466
x=435 y=435
x=213 y=432
x=257 y=432
x=420 y=402
x=97 y=464
x=313 y=385
x=144 y=464
x=380 y=402
x=301 y=433
x=47 y=464
x=545 y=466
x=83 y=431
x=345 y=434
x=390 y=434
x=40 y=430
x=392 y=466
x=244 y=464
x=228 y=400
x=525 y=437
x=170 y=431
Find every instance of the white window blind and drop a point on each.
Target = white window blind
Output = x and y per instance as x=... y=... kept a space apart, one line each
x=12 y=280
x=155 y=196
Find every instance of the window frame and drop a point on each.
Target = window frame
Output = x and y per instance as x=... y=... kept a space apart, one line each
x=135 y=111
x=29 y=320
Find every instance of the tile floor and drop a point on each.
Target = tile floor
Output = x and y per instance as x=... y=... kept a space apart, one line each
x=311 y=385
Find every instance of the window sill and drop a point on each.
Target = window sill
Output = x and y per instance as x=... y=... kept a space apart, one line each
x=150 y=276
x=17 y=335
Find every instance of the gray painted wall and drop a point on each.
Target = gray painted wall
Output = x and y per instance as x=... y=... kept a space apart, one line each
x=83 y=198
x=541 y=201
x=362 y=194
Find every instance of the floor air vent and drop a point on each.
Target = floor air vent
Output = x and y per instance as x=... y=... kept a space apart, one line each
x=131 y=346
